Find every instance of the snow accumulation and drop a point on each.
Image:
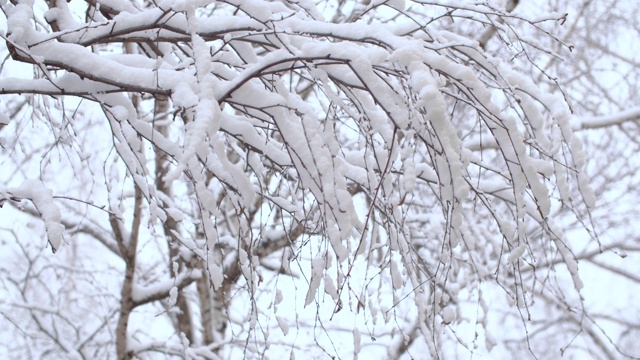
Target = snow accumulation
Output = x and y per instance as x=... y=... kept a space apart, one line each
x=364 y=135
x=42 y=199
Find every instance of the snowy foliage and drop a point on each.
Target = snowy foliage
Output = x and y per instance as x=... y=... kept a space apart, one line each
x=384 y=164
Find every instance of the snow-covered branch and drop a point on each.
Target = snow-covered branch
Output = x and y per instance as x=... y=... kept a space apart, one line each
x=397 y=158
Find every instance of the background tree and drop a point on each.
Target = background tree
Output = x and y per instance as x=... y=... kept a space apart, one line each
x=258 y=178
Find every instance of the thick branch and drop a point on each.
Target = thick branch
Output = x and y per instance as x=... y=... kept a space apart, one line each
x=129 y=250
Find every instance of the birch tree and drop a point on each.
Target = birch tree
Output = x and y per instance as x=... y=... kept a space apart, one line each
x=219 y=179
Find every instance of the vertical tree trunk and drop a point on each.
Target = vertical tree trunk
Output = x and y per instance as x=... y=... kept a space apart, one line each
x=128 y=248
x=206 y=315
x=183 y=318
